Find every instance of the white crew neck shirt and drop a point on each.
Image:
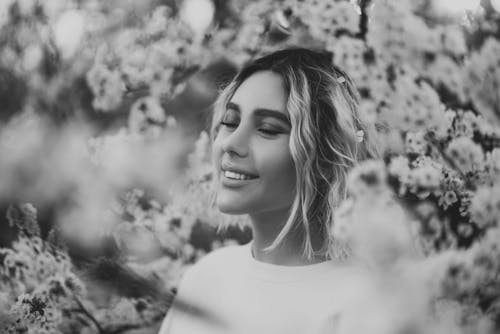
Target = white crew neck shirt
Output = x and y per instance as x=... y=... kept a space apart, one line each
x=242 y=295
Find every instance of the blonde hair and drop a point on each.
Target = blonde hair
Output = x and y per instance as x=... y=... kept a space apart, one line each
x=327 y=139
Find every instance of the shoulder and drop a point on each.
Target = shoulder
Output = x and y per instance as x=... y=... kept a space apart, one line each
x=348 y=277
x=219 y=262
x=211 y=274
x=224 y=256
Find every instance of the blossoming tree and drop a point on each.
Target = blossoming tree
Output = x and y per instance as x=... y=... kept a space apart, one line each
x=91 y=135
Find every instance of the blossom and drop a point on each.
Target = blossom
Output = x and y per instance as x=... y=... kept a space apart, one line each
x=161 y=83
x=367 y=179
x=348 y=54
x=414 y=106
x=198 y=14
x=443 y=71
x=482 y=79
x=407 y=66
x=426 y=176
x=107 y=87
x=4 y=12
x=399 y=166
x=46 y=286
x=158 y=21
x=325 y=18
x=448 y=198
x=493 y=163
x=377 y=230
x=465 y=123
x=416 y=143
x=343 y=220
x=397 y=34
x=421 y=177
x=32 y=57
x=69 y=31
x=453 y=40
x=200 y=159
x=146 y=115
x=466 y=155
x=485 y=206
x=134 y=67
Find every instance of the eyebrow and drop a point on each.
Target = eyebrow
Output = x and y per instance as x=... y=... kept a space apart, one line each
x=262 y=112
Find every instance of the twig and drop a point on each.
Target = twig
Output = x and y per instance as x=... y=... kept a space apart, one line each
x=88 y=314
x=363 y=20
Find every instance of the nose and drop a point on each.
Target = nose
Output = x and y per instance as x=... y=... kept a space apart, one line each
x=236 y=142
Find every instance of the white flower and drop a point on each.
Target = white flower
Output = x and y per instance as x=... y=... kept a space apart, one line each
x=482 y=79
x=4 y=11
x=348 y=54
x=467 y=155
x=493 y=162
x=415 y=142
x=453 y=40
x=145 y=113
x=443 y=70
x=324 y=18
x=157 y=23
x=32 y=56
x=198 y=14
x=68 y=32
x=367 y=179
x=107 y=87
x=485 y=206
x=427 y=176
x=413 y=107
x=399 y=166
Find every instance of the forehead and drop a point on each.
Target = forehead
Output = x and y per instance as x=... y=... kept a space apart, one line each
x=263 y=89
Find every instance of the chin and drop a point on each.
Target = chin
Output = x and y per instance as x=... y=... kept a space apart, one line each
x=231 y=208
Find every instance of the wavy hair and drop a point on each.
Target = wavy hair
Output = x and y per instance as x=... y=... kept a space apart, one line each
x=328 y=137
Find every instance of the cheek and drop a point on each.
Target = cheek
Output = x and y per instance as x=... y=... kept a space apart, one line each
x=281 y=176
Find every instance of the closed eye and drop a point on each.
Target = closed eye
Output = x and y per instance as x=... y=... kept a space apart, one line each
x=229 y=125
x=269 y=132
x=266 y=131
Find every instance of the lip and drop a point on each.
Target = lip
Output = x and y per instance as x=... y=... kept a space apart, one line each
x=236 y=169
x=233 y=183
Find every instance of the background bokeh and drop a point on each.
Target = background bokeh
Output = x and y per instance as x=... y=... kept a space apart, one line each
x=105 y=175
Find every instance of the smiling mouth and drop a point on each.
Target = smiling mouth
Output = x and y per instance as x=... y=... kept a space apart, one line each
x=237 y=176
x=229 y=182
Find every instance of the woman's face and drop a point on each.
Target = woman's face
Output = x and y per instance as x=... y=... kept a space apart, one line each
x=254 y=167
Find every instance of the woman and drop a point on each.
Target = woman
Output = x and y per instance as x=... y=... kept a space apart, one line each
x=285 y=133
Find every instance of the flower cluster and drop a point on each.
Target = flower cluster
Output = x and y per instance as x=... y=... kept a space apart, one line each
x=40 y=282
x=348 y=53
x=397 y=35
x=483 y=79
x=471 y=277
x=485 y=206
x=414 y=106
x=428 y=82
x=420 y=177
x=328 y=19
x=146 y=56
x=467 y=155
x=107 y=87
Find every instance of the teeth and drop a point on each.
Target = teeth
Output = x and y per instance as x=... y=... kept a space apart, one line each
x=237 y=176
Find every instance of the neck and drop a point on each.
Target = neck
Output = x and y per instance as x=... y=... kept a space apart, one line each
x=266 y=227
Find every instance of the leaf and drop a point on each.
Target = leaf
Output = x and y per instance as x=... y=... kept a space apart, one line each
x=24 y=217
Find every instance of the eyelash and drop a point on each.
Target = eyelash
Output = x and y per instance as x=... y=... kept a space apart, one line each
x=268 y=132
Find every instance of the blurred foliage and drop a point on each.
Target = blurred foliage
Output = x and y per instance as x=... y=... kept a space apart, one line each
x=104 y=112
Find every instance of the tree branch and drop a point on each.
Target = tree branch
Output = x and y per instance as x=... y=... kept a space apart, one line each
x=83 y=310
x=363 y=20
